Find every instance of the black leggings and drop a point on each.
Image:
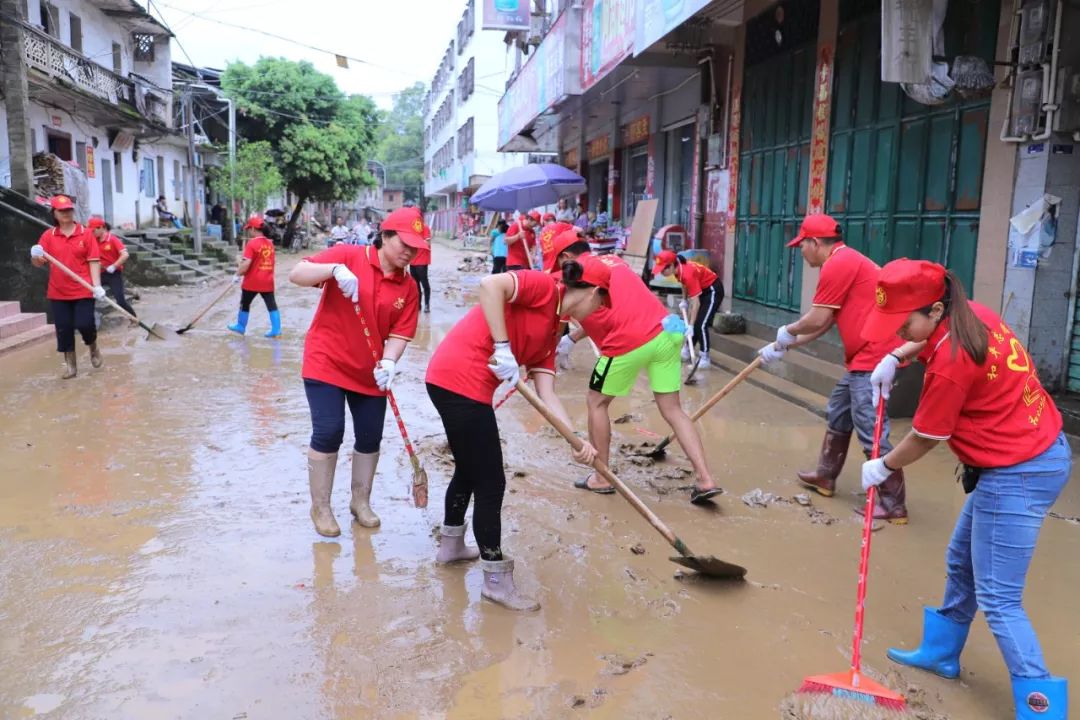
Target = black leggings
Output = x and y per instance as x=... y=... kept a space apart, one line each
x=327 y=404
x=473 y=435
x=498 y=265
x=246 y=296
x=419 y=273
x=72 y=315
x=115 y=283
x=710 y=298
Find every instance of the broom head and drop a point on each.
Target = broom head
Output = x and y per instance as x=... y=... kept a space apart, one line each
x=854 y=686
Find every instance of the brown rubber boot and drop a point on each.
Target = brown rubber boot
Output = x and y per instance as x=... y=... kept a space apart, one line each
x=834 y=449
x=71 y=368
x=321 y=481
x=363 y=476
x=95 y=356
x=889 y=503
x=499 y=586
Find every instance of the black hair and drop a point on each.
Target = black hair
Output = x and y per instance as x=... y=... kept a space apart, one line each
x=578 y=248
x=838 y=237
x=377 y=242
x=502 y=226
x=571 y=276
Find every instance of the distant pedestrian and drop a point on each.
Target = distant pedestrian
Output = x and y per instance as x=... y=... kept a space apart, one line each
x=565 y=213
x=521 y=241
x=703 y=293
x=113 y=257
x=256 y=269
x=418 y=268
x=498 y=247
x=339 y=233
x=71 y=303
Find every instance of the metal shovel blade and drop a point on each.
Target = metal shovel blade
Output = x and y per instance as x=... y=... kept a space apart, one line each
x=711 y=566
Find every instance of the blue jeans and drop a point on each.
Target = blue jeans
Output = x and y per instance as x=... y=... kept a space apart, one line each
x=991 y=548
x=851 y=407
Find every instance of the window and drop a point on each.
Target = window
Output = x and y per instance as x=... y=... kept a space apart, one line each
x=118 y=169
x=59 y=144
x=161 y=175
x=50 y=19
x=680 y=152
x=176 y=179
x=116 y=59
x=75 y=25
x=465 y=138
x=80 y=155
x=144 y=47
x=146 y=179
x=637 y=164
x=467 y=81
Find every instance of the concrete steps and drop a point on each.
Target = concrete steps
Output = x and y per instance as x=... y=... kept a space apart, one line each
x=19 y=329
x=816 y=375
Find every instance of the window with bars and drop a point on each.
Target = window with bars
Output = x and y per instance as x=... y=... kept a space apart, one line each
x=144 y=46
x=467 y=81
x=465 y=138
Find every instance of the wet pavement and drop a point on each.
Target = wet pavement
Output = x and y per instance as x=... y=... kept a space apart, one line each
x=158 y=560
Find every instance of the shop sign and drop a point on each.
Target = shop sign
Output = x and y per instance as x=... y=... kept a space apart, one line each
x=506 y=15
x=570 y=159
x=656 y=18
x=607 y=37
x=91 y=170
x=819 y=138
x=540 y=84
x=598 y=148
x=636 y=131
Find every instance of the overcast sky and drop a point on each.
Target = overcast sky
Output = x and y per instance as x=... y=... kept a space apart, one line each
x=403 y=40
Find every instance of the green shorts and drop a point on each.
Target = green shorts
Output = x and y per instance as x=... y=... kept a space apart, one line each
x=615 y=376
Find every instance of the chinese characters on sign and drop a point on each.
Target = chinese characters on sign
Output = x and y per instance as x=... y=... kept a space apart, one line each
x=91 y=170
x=571 y=159
x=636 y=131
x=506 y=15
x=733 y=157
x=819 y=139
x=598 y=148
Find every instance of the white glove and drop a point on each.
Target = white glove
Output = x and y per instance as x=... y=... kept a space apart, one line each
x=562 y=352
x=385 y=370
x=874 y=473
x=771 y=353
x=684 y=306
x=111 y=269
x=37 y=251
x=347 y=282
x=235 y=279
x=784 y=338
x=504 y=364
x=883 y=377
x=99 y=292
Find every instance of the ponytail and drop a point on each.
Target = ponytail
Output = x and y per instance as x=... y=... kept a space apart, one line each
x=967 y=330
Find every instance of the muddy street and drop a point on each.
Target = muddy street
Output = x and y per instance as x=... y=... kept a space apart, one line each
x=158 y=560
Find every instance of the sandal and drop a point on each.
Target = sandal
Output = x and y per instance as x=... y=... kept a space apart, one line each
x=583 y=484
x=701 y=497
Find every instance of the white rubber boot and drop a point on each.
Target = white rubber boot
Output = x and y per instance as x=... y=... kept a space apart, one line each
x=452 y=547
x=363 y=476
x=499 y=586
x=321 y=481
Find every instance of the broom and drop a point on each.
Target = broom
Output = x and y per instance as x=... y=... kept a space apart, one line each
x=852 y=684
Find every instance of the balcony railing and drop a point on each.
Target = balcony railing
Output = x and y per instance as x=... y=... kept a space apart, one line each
x=47 y=55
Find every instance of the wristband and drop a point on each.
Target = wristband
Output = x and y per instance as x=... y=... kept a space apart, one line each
x=886 y=465
x=502 y=342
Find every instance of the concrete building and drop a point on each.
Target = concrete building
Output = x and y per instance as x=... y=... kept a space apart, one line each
x=99 y=74
x=461 y=119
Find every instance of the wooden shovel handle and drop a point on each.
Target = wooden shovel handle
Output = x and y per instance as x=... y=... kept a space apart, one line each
x=601 y=468
x=71 y=273
x=720 y=395
x=215 y=301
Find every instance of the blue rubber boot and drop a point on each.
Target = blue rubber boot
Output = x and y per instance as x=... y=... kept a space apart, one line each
x=241 y=323
x=939 y=652
x=275 y=324
x=1041 y=699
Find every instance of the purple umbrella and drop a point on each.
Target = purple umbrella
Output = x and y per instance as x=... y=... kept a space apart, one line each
x=528 y=186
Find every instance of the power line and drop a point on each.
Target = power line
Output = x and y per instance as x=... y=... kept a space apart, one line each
x=176 y=38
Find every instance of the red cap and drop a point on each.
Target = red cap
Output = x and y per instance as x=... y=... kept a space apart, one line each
x=61 y=202
x=595 y=271
x=549 y=216
x=816 y=226
x=663 y=259
x=408 y=224
x=254 y=221
x=553 y=240
x=534 y=215
x=95 y=221
x=903 y=286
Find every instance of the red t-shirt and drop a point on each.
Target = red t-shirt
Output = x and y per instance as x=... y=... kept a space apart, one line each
x=634 y=317
x=110 y=247
x=422 y=257
x=460 y=363
x=695 y=278
x=75 y=252
x=516 y=253
x=336 y=350
x=847 y=284
x=260 y=274
x=993 y=415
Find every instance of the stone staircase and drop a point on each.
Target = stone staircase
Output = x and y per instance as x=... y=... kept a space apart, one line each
x=19 y=329
x=172 y=253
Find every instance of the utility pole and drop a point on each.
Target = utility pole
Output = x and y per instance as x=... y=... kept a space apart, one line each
x=16 y=94
x=232 y=156
x=191 y=190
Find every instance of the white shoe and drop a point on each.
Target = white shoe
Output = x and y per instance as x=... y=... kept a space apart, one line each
x=685 y=354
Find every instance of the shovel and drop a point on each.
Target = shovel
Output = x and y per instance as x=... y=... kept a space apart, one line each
x=156 y=330
x=704 y=564
x=206 y=309
x=660 y=450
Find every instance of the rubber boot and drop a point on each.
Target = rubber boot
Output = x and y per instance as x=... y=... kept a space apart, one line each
x=452 y=547
x=363 y=475
x=321 y=481
x=96 y=360
x=889 y=501
x=241 y=322
x=71 y=368
x=499 y=586
x=1046 y=699
x=834 y=449
x=275 y=324
x=939 y=652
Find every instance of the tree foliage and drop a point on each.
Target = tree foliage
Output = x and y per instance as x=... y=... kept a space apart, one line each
x=401 y=142
x=256 y=172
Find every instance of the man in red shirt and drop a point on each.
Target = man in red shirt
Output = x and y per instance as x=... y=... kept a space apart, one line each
x=844 y=297
x=256 y=269
x=520 y=241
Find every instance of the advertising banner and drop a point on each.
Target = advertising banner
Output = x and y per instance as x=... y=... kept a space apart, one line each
x=656 y=18
x=540 y=84
x=506 y=15
x=607 y=37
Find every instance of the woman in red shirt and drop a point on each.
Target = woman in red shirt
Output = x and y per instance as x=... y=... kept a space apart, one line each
x=113 y=257
x=702 y=288
x=72 y=305
x=516 y=324
x=256 y=269
x=982 y=396
x=367 y=297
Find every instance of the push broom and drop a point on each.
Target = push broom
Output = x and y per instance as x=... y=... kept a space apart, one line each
x=852 y=684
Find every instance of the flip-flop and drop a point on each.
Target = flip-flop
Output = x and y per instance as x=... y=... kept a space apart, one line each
x=583 y=484
x=700 y=497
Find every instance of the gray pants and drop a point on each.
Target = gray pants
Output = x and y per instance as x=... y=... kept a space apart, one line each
x=851 y=407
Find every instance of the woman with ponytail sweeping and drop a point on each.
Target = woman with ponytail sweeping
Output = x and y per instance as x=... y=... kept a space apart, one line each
x=982 y=396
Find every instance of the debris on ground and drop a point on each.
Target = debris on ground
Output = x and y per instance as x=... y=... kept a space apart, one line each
x=520 y=474
x=627 y=418
x=802 y=499
x=1067 y=518
x=473 y=263
x=759 y=498
x=641 y=461
x=819 y=517
x=637 y=549
x=621 y=664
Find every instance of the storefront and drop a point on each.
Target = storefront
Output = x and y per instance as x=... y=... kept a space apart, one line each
x=679 y=165
x=635 y=163
x=598 y=152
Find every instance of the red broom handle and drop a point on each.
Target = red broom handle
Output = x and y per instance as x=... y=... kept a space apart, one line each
x=864 y=557
x=389 y=393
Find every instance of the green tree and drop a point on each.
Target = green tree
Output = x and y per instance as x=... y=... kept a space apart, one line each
x=322 y=138
x=401 y=142
x=256 y=173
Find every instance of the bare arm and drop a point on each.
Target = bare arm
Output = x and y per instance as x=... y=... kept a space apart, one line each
x=545 y=388
x=511 y=239
x=695 y=305
x=912 y=448
x=394 y=348
x=122 y=259
x=495 y=292
x=310 y=274
x=909 y=351
x=38 y=261
x=244 y=266
x=812 y=325
x=95 y=273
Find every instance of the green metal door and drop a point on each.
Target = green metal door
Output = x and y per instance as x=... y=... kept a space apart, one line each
x=905 y=179
x=774 y=157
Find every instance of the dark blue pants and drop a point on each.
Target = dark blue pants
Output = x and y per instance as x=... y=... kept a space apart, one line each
x=72 y=315
x=114 y=283
x=327 y=403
